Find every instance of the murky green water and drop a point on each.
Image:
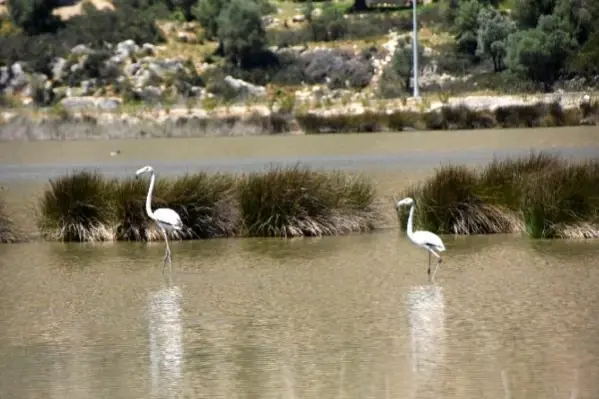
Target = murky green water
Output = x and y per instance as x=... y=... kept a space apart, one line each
x=338 y=317
x=349 y=317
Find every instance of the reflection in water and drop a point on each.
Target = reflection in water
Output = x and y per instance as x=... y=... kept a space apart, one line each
x=426 y=314
x=352 y=319
x=166 y=349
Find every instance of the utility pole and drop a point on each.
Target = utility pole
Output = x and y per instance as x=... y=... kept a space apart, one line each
x=415 y=47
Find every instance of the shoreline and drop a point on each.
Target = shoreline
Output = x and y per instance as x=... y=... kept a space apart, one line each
x=90 y=121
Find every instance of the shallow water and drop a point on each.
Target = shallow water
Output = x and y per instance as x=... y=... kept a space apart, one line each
x=338 y=317
x=317 y=318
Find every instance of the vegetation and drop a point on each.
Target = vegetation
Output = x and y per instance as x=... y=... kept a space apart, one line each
x=8 y=231
x=296 y=201
x=450 y=117
x=542 y=195
x=534 y=46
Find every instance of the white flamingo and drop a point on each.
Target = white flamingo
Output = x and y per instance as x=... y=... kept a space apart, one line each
x=424 y=239
x=166 y=218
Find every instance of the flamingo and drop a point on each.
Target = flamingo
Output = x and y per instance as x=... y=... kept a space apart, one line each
x=424 y=239
x=166 y=218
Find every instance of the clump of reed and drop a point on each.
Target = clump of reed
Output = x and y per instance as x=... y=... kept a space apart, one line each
x=8 y=231
x=451 y=203
x=563 y=202
x=84 y=206
x=540 y=194
x=297 y=201
x=77 y=207
x=449 y=117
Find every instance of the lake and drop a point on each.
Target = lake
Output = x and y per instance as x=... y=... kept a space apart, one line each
x=336 y=317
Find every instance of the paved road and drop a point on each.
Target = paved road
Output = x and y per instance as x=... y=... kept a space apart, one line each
x=403 y=160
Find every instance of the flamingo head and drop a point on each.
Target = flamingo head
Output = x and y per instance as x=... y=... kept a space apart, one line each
x=404 y=202
x=143 y=170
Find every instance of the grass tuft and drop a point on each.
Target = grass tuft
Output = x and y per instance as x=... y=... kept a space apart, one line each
x=282 y=202
x=77 y=207
x=206 y=204
x=449 y=203
x=541 y=194
x=296 y=201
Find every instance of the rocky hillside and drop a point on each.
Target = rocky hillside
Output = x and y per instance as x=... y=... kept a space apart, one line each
x=294 y=57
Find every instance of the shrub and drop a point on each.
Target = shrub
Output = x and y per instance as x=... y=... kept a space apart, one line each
x=332 y=26
x=296 y=201
x=77 y=207
x=93 y=29
x=340 y=68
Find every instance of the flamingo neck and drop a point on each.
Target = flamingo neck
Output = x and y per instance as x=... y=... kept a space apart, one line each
x=409 y=228
x=149 y=198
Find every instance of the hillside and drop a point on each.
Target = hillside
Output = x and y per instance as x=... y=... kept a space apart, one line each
x=298 y=57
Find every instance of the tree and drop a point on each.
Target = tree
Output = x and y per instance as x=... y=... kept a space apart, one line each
x=466 y=25
x=587 y=60
x=540 y=53
x=34 y=17
x=581 y=16
x=206 y=12
x=528 y=12
x=240 y=30
x=493 y=31
x=403 y=61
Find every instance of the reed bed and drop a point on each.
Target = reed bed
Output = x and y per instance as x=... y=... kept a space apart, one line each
x=541 y=194
x=293 y=202
x=282 y=202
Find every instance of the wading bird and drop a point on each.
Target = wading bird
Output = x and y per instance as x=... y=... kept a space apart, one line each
x=167 y=219
x=424 y=239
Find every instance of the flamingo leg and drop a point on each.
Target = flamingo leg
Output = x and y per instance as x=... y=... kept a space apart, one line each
x=167 y=255
x=429 y=263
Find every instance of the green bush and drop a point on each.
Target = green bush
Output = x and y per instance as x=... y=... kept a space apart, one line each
x=296 y=201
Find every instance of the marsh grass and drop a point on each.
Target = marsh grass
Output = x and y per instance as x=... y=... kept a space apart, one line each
x=563 y=202
x=296 y=201
x=206 y=204
x=286 y=202
x=77 y=207
x=449 y=203
x=8 y=231
x=540 y=194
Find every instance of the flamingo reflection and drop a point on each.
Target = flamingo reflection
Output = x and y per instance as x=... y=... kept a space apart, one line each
x=426 y=313
x=166 y=350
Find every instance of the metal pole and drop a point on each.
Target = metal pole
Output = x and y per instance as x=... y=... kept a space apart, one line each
x=415 y=47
